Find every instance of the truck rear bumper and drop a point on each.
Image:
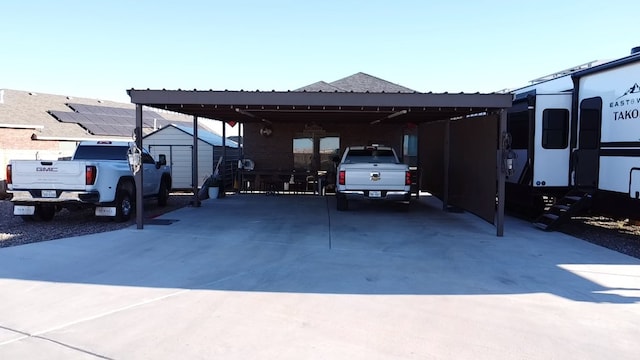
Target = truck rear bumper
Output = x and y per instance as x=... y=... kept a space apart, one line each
x=390 y=195
x=26 y=197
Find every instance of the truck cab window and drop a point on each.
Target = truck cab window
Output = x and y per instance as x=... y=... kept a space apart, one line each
x=147 y=159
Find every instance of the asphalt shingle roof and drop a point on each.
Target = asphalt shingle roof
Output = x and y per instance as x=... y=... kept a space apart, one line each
x=66 y=117
x=359 y=82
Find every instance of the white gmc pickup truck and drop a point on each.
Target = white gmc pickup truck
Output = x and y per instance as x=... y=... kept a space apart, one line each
x=372 y=172
x=98 y=176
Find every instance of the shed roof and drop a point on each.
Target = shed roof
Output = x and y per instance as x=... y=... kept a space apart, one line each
x=206 y=136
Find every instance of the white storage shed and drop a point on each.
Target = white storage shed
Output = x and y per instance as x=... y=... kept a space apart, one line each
x=176 y=142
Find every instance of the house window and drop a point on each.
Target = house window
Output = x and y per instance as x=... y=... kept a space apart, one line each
x=315 y=153
x=329 y=147
x=555 y=128
x=303 y=153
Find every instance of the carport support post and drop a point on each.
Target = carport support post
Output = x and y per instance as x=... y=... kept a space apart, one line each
x=194 y=163
x=447 y=155
x=502 y=176
x=224 y=157
x=137 y=132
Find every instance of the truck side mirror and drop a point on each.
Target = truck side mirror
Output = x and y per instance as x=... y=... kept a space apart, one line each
x=162 y=160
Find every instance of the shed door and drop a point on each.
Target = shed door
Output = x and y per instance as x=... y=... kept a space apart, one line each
x=179 y=157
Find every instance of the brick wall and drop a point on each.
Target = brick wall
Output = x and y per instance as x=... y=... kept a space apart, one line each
x=20 y=139
x=17 y=144
x=276 y=152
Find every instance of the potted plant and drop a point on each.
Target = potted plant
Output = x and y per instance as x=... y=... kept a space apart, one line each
x=213 y=184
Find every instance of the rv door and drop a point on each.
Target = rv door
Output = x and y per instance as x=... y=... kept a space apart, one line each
x=586 y=155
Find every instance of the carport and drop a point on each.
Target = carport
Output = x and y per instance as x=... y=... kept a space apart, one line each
x=460 y=136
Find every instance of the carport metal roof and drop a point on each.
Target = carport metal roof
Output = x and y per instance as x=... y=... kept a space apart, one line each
x=317 y=106
x=294 y=106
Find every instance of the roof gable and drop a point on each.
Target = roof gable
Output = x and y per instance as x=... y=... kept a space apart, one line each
x=319 y=86
x=359 y=82
x=362 y=82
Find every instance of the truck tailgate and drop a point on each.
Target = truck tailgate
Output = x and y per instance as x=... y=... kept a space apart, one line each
x=36 y=174
x=379 y=176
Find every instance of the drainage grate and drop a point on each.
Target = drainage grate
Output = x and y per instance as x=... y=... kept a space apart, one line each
x=160 y=221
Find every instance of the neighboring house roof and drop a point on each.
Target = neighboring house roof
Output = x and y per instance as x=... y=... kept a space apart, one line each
x=59 y=117
x=204 y=135
x=320 y=86
x=359 y=82
x=109 y=120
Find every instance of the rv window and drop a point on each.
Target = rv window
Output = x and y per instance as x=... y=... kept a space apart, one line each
x=555 y=128
x=518 y=127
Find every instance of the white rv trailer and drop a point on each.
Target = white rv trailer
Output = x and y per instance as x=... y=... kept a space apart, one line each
x=579 y=130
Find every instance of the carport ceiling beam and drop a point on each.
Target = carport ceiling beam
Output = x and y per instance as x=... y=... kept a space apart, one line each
x=390 y=116
x=246 y=113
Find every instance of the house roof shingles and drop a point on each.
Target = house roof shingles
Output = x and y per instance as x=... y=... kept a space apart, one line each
x=43 y=113
x=359 y=82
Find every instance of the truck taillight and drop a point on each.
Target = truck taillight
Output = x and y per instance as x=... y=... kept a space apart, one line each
x=341 y=178
x=9 y=180
x=407 y=178
x=90 y=175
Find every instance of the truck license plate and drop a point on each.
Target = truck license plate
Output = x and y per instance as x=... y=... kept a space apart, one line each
x=24 y=210
x=375 y=194
x=106 y=211
x=49 y=193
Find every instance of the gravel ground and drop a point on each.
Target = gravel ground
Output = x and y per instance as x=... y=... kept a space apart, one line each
x=15 y=231
x=620 y=235
x=616 y=234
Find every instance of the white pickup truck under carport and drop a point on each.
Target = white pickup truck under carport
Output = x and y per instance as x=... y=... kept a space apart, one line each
x=374 y=173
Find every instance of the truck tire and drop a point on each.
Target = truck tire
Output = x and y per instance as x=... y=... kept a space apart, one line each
x=124 y=206
x=163 y=193
x=342 y=204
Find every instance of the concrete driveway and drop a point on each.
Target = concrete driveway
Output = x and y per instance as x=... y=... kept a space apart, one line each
x=284 y=277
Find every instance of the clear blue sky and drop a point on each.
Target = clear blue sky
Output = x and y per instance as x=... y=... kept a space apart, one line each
x=98 y=49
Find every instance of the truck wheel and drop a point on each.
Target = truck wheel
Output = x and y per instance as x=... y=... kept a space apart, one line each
x=163 y=193
x=124 y=206
x=44 y=212
x=342 y=203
